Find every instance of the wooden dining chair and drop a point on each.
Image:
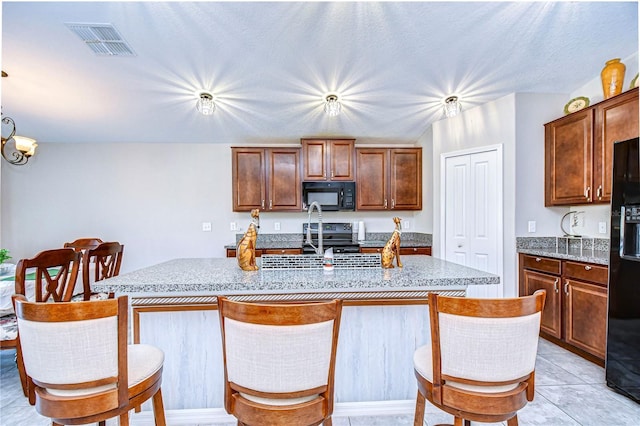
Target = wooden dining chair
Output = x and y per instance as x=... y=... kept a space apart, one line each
x=82 y=244
x=106 y=259
x=279 y=361
x=78 y=363
x=480 y=363
x=54 y=273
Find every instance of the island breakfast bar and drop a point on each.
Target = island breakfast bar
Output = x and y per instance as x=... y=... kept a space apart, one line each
x=384 y=319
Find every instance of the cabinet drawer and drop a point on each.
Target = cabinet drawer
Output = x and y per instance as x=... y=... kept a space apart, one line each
x=370 y=249
x=586 y=272
x=416 y=250
x=281 y=251
x=543 y=264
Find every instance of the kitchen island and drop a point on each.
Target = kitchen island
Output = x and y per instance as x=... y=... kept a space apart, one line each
x=384 y=319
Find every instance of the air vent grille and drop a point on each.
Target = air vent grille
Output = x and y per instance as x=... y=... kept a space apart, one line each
x=102 y=39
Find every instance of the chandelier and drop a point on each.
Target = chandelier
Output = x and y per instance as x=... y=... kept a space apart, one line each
x=332 y=106
x=205 y=104
x=452 y=106
x=24 y=148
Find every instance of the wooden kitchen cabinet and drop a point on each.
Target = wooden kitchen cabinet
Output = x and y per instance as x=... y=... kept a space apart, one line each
x=260 y=252
x=540 y=273
x=267 y=179
x=579 y=150
x=575 y=311
x=403 y=250
x=389 y=178
x=328 y=159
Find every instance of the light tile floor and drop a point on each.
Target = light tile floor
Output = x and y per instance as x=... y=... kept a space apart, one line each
x=569 y=391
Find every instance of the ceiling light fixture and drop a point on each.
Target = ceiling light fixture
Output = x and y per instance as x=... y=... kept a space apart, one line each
x=332 y=106
x=24 y=147
x=452 y=106
x=205 y=103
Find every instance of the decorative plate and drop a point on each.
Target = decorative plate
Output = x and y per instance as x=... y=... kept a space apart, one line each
x=634 y=82
x=576 y=104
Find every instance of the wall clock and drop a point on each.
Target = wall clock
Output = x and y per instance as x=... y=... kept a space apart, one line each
x=576 y=104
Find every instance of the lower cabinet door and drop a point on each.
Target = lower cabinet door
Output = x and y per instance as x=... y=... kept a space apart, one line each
x=551 y=322
x=586 y=316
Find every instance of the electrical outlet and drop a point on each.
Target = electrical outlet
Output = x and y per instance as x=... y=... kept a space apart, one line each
x=233 y=226
x=406 y=224
x=206 y=226
x=602 y=227
x=276 y=226
x=531 y=226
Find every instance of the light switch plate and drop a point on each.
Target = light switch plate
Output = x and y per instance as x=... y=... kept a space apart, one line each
x=531 y=226
x=406 y=224
x=276 y=226
x=206 y=226
x=602 y=227
x=233 y=226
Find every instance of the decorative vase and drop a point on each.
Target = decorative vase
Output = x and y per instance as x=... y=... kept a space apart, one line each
x=612 y=76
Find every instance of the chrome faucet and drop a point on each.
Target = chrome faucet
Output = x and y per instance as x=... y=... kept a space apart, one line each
x=319 y=248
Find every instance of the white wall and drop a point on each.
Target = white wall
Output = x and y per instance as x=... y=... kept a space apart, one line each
x=489 y=124
x=151 y=197
x=532 y=112
x=515 y=121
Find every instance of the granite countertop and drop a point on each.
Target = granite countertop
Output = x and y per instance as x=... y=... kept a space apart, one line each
x=589 y=250
x=599 y=257
x=373 y=239
x=222 y=275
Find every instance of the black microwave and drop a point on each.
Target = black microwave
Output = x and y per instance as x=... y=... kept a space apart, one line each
x=332 y=196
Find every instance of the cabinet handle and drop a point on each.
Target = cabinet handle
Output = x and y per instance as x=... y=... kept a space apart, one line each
x=587 y=192
x=415 y=249
x=262 y=204
x=332 y=174
x=385 y=203
x=270 y=204
x=393 y=203
x=282 y=251
x=599 y=192
x=555 y=285
x=566 y=288
x=587 y=267
x=538 y=259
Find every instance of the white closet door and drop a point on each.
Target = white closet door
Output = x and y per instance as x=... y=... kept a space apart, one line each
x=473 y=206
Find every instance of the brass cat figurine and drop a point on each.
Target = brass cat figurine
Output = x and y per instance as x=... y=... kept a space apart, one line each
x=392 y=247
x=246 y=250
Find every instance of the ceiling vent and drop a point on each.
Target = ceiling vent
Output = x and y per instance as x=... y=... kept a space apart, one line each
x=103 y=39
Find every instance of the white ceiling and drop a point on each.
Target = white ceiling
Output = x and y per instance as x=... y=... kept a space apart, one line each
x=269 y=65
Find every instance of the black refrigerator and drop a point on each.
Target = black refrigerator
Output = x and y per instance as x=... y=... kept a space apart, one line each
x=623 y=322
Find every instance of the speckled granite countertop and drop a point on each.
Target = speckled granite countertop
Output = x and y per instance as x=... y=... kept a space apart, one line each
x=590 y=250
x=373 y=239
x=580 y=255
x=222 y=275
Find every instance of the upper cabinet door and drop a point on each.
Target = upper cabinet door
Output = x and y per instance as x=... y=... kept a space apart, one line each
x=568 y=159
x=371 y=181
x=248 y=179
x=405 y=179
x=328 y=159
x=616 y=120
x=341 y=160
x=283 y=179
x=314 y=158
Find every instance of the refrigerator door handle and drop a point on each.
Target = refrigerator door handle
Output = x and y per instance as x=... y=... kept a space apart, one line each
x=622 y=213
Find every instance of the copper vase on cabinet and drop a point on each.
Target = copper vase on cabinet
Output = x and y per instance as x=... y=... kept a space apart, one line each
x=612 y=76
